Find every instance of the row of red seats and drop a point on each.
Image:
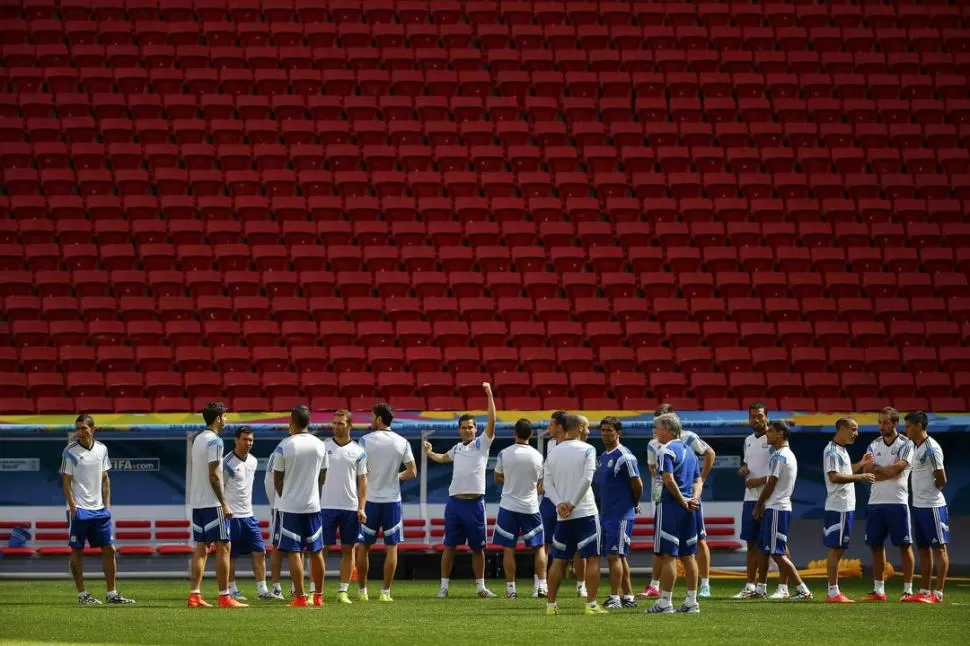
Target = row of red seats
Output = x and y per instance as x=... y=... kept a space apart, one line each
x=464 y=284
x=384 y=12
x=491 y=359
x=490 y=333
x=583 y=385
x=69 y=405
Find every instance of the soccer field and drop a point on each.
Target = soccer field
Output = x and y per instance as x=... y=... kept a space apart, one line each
x=47 y=611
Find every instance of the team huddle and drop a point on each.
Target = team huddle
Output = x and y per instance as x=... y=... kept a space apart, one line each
x=320 y=491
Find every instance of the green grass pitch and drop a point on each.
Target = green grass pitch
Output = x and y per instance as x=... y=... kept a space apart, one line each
x=47 y=612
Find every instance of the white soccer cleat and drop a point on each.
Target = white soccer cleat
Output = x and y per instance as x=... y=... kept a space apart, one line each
x=88 y=599
x=690 y=608
x=271 y=595
x=485 y=593
x=442 y=593
x=613 y=604
x=705 y=591
x=779 y=594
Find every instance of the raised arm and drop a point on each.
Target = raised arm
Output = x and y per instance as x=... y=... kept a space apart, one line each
x=490 y=425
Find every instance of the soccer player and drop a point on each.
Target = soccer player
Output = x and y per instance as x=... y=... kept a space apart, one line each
x=583 y=428
x=773 y=509
x=387 y=452
x=675 y=523
x=888 y=510
x=929 y=508
x=465 y=510
x=518 y=469
x=840 y=478
x=210 y=510
x=343 y=496
x=568 y=477
x=87 y=490
x=754 y=468
x=620 y=488
x=245 y=537
x=299 y=470
x=652 y=590
x=275 y=557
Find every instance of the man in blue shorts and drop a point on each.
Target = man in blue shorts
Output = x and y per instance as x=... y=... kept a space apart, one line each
x=87 y=491
x=465 y=510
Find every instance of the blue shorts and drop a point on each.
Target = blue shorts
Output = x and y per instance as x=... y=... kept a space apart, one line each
x=246 y=537
x=547 y=510
x=386 y=516
x=750 y=526
x=699 y=524
x=465 y=522
x=577 y=535
x=510 y=524
x=342 y=521
x=932 y=526
x=209 y=525
x=298 y=532
x=91 y=525
x=675 y=530
x=616 y=535
x=774 y=531
x=837 y=529
x=888 y=520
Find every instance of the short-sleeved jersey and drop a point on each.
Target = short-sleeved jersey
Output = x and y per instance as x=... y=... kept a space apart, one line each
x=521 y=468
x=895 y=491
x=653 y=447
x=839 y=496
x=616 y=469
x=468 y=471
x=347 y=463
x=301 y=459
x=387 y=452
x=783 y=465
x=207 y=448
x=237 y=483
x=676 y=458
x=269 y=483
x=86 y=468
x=756 y=454
x=567 y=468
x=694 y=442
x=927 y=458
x=551 y=443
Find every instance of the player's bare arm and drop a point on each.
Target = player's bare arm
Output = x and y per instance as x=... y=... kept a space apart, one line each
x=709 y=457
x=440 y=458
x=499 y=478
x=843 y=478
x=278 y=482
x=322 y=477
x=695 y=500
x=490 y=425
x=215 y=481
x=68 y=494
x=636 y=488
x=410 y=472
x=889 y=472
x=754 y=483
x=106 y=489
x=361 y=498
x=759 y=507
x=939 y=477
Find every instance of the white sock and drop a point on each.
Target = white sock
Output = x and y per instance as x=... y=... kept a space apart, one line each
x=480 y=584
x=542 y=584
x=908 y=588
x=627 y=597
x=361 y=590
x=84 y=592
x=834 y=590
x=801 y=587
x=313 y=587
x=655 y=583
x=112 y=593
x=445 y=582
x=614 y=596
x=665 y=596
x=196 y=591
x=591 y=604
x=749 y=586
x=692 y=597
x=385 y=591
x=938 y=594
x=342 y=587
x=261 y=587
x=535 y=580
x=783 y=587
x=879 y=587
x=510 y=586
x=223 y=593
x=761 y=588
x=232 y=587
x=705 y=582
x=924 y=591
x=552 y=604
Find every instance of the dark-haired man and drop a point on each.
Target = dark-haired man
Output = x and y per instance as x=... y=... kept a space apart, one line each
x=239 y=471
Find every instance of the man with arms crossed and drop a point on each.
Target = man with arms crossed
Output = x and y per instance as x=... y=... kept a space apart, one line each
x=568 y=477
x=465 y=511
x=518 y=469
x=840 y=478
x=239 y=471
x=773 y=509
x=387 y=452
x=929 y=508
x=87 y=490
x=888 y=510
x=299 y=470
x=620 y=488
x=210 y=510
x=343 y=496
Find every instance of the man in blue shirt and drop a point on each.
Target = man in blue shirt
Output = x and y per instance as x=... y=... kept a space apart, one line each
x=620 y=487
x=675 y=523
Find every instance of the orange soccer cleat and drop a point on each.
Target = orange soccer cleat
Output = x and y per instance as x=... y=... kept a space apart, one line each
x=917 y=597
x=227 y=601
x=318 y=600
x=196 y=601
x=876 y=596
x=839 y=598
x=299 y=602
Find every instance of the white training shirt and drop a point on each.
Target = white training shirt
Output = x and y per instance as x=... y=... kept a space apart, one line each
x=839 y=496
x=694 y=442
x=895 y=491
x=301 y=459
x=756 y=454
x=86 y=468
x=387 y=452
x=657 y=484
x=470 y=461
x=207 y=448
x=521 y=466
x=927 y=458
x=551 y=443
x=269 y=483
x=347 y=462
x=570 y=465
x=784 y=466
x=237 y=482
